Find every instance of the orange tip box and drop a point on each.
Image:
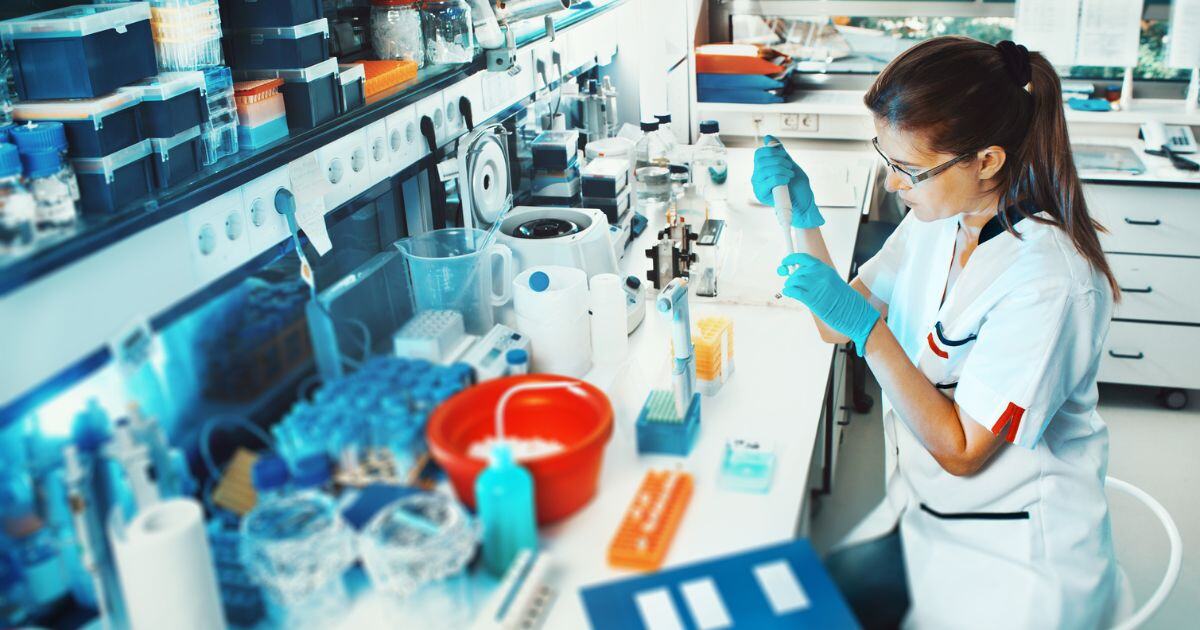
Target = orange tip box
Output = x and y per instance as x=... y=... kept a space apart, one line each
x=740 y=59
x=650 y=522
x=384 y=76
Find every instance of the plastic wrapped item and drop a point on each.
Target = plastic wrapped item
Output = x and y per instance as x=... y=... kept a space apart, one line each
x=95 y=127
x=416 y=540
x=187 y=34
x=109 y=183
x=178 y=157
x=264 y=48
x=80 y=51
x=17 y=205
x=396 y=32
x=220 y=133
x=171 y=103
x=449 y=32
x=6 y=97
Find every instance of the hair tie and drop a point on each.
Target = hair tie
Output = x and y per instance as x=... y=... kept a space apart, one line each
x=1016 y=61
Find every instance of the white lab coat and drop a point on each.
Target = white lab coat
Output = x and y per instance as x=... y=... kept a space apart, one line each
x=1026 y=541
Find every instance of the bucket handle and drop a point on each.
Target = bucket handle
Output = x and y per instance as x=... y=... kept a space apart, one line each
x=505 y=254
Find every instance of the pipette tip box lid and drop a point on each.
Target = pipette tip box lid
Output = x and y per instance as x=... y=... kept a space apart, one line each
x=384 y=77
x=311 y=94
x=661 y=430
x=605 y=177
x=112 y=182
x=178 y=157
x=95 y=127
x=262 y=48
x=556 y=150
x=171 y=102
x=259 y=13
x=354 y=86
x=80 y=51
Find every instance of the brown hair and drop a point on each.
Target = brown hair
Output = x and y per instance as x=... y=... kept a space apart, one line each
x=963 y=95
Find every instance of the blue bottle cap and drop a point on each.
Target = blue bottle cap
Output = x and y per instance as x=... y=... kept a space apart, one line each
x=6 y=132
x=44 y=136
x=539 y=281
x=709 y=126
x=41 y=163
x=516 y=356
x=270 y=472
x=312 y=471
x=10 y=160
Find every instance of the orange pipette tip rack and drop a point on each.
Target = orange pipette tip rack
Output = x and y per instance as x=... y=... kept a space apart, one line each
x=382 y=76
x=649 y=526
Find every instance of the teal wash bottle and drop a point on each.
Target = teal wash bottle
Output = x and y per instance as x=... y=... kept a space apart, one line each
x=504 y=498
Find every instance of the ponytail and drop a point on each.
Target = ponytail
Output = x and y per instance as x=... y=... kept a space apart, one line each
x=965 y=95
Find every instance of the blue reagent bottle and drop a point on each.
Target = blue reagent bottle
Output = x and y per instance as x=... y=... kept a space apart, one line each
x=504 y=498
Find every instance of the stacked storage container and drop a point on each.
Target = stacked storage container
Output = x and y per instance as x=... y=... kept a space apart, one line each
x=556 y=180
x=86 y=53
x=174 y=108
x=221 y=132
x=288 y=40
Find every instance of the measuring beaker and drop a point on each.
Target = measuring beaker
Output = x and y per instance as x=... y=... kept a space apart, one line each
x=451 y=269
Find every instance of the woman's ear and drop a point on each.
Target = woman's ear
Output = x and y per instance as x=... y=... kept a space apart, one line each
x=990 y=160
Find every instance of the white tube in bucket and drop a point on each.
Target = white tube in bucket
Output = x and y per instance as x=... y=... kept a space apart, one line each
x=551 y=305
x=166 y=568
x=610 y=336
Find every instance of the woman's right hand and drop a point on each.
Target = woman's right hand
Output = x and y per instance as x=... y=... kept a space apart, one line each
x=774 y=167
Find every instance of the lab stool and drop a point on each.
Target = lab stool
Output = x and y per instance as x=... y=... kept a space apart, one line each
x=871 y=237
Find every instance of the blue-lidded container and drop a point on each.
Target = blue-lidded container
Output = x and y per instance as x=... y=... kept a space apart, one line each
x=178 y=157
x=80 y=51
x=280 y=46
x=172 y=102
x=41 y=163
x=6 y=132
x=353 y=78
x=310 y=94
x=257 y=13
x=95 y=127
x=114 y=181
x=37 y=137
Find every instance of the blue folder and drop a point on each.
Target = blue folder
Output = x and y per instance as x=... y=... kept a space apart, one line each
x=738 y=96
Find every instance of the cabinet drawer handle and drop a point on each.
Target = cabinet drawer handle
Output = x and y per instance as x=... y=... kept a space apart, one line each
x=1119 y=355
x=1148 y=289
x=1140 y=222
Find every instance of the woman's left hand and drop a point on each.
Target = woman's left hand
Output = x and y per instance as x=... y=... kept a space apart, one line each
x=818 y=286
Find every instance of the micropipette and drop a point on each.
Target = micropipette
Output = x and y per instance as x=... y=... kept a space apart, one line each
x=782 y=199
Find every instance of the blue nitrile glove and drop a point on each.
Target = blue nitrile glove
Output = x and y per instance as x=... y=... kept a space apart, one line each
x=774 y=167
x=820 y=288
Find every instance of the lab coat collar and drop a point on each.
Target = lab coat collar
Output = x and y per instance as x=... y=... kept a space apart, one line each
x=1011 y=216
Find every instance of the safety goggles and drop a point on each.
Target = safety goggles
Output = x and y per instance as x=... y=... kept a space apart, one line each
x=917 y=178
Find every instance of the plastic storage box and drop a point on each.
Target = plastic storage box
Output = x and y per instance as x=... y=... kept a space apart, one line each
x=385 y=76
x=262 y=117
x=95 y=127
x=310 y=94
x=172 y=103
x=556 y=150
x=258 y=13
x=354 y=86
x=220 y=132
x=112 y=182
x=280 y=46
x=80 y=51
x=178 y=158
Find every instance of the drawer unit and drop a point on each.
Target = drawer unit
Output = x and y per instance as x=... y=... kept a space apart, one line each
x=1160 y=355
x=1146 y=219
x=1157 y=288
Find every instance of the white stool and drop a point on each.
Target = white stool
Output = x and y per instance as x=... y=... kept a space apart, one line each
x=1129 y=618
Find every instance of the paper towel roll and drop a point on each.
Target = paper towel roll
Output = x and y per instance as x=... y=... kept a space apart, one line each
x=166 y=568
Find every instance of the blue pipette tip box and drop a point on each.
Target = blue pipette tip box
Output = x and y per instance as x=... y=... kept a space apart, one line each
x=660 y=429
x=747 y=466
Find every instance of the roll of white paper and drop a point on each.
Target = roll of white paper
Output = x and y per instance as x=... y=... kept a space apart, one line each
x=610 y=336
x=554 y=315
x=166 y=568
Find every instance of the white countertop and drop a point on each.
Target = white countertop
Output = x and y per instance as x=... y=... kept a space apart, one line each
x=776 y=394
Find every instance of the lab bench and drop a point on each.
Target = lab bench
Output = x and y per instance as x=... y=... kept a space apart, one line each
x=786 y=391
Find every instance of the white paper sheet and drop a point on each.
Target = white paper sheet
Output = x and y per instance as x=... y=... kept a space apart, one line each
x=1109 y=31
x=1050 y=27
x=1185 y=34
x=309 y=187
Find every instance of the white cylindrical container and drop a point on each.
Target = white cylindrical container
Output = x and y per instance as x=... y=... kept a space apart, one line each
x=610 y=336
x=166 y=568
x=551 y=305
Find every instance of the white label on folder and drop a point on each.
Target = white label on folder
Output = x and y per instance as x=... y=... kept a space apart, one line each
x=781 y=587
x=705 y=604
x=309 y=186
x=657 y=610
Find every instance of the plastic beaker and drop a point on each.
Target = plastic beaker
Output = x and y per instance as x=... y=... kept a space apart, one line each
x=451 y=269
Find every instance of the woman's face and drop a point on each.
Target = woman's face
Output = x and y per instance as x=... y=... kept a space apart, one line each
x=960 y=189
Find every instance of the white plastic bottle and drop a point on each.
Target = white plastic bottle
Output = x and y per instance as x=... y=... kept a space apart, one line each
x=710 y=166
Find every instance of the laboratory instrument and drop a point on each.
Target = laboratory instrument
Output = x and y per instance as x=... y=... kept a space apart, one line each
x=653 y=185
x=51 y=178
x=421 y=538
x=484 y=176
x=651 y=520
x=610 y=335
x=650 y=150
x=564 y=482
x=494 y=27
x=781 y=199
x=451 y=269
x=551 y=308
x=706 y=270
x=595 y=111
x=523 y=597
x=773 y=588
x=668 y=137
x=505 y=502
x=747 y=466
x=449 y=32
x=635 y=302
x=491 y=356
x=396 y=31
x=136 y=464
x=187 y=34
x=571 y=237
x=436 y=336
x=714 y=353
x=672 y=427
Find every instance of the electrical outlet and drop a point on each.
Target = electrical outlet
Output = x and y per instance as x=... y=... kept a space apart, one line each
x=790 y=122
x=218 y=235
x=808 y=123
x=405 y=141
x=267 y=227
x=345 y=164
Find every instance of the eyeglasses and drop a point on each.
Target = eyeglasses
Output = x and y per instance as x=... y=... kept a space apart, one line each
x=923 y=175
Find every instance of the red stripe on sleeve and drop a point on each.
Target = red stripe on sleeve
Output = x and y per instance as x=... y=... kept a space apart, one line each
x=936 y=350
x=1012 y=419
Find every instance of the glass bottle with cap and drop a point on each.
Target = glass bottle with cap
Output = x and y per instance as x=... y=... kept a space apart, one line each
x=270 y=478
x=650 y=150
x=50 y=176
x=517 y=362
x=667 y=133
x=396 y=32
x=710 y=165
x=18 y=209
x=47 y=136
x=449 y=32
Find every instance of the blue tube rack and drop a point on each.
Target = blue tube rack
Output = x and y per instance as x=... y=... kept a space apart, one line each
x=661 y=430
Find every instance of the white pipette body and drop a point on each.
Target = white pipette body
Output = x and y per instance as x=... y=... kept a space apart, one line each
x=782 y=198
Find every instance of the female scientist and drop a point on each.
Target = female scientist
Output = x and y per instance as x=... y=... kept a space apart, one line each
x=983 y=318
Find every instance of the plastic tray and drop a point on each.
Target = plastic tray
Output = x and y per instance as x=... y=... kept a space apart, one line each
x=280 y=47
x=178 y=157
x=95 y=127
x=109 y=183
x=172 y=103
